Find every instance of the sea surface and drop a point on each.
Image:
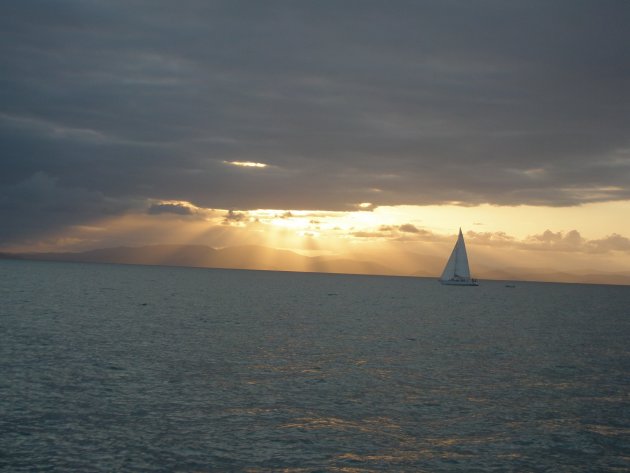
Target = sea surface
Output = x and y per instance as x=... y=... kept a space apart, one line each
x=136 y=368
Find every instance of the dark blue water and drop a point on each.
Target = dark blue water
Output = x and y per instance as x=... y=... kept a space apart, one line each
x=130 y=368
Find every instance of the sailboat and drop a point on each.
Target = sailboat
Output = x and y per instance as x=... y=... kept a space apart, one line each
x=456 y=272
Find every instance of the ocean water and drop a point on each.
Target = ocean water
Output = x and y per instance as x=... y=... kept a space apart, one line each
x=131 y=368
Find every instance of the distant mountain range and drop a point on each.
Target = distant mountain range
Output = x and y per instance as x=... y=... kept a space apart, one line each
x=238 y=257
x=264 y=258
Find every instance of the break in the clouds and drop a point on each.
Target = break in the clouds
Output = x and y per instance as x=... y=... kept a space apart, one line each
x=105 y=104
x=178 y=208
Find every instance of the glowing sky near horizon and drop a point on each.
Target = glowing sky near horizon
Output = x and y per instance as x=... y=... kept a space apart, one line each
x=294 y=125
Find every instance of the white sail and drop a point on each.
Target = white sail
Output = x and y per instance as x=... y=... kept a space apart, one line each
x=449 y=269
x=457 y=270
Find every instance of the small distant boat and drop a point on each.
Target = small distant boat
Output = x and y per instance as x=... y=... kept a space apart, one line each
x=510 y=285
x=457 y=272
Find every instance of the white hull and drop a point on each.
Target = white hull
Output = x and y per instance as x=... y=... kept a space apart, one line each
x=459 y=283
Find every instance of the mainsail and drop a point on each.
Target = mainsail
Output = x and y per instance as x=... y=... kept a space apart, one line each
x=457 y=270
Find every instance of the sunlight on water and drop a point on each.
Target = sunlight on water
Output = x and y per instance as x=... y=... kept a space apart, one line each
x=123 y=368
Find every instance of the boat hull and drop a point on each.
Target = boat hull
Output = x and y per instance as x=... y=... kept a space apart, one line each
x=459 y=283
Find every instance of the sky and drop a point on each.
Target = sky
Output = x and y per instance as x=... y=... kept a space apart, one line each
x=325 y=127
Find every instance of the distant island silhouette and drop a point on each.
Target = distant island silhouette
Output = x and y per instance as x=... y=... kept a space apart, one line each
x=256 y=257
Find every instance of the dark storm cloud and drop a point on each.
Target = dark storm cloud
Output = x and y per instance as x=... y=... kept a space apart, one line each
x=38 y=205
x=347 y=102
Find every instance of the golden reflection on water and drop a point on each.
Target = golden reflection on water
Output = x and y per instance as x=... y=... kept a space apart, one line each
x=351 y=469
x=408 y=448
x=607 y=430
x=405 y=454
x=282 y=470
x=380 y=425
x=255 y=411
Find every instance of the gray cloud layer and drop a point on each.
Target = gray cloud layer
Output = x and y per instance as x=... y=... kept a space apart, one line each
x=399 y=102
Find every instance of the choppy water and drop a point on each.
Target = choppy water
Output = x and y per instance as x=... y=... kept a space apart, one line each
x=129 y=368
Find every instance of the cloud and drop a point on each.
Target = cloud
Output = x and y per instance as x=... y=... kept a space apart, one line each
x=364 y=234
x=40 y=205
x=556 y=241
x=408 y=228
x=612 y=242
x=460 y=102
x=235 y=217
x=178 y=208
x=572 y=237
x=490 y=238
x=569 y=241
x=405 y=232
